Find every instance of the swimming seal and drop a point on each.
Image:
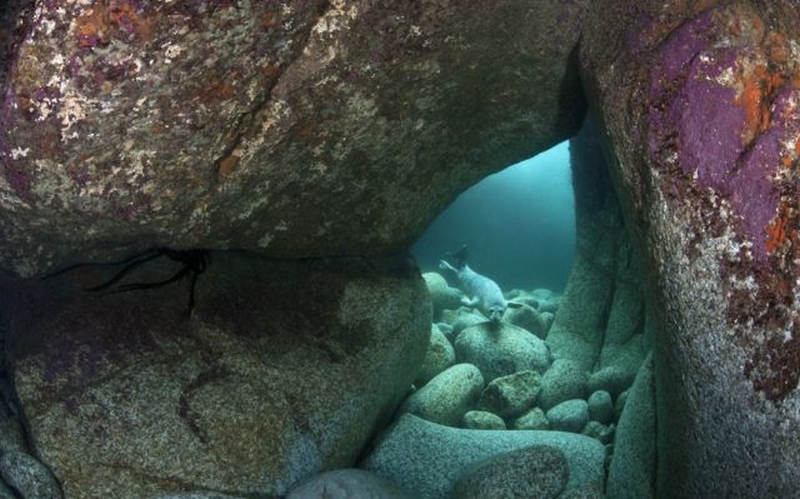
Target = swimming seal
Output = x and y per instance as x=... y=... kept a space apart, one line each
x=481 y=292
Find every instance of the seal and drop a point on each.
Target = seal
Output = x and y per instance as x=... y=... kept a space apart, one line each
x=481 y=292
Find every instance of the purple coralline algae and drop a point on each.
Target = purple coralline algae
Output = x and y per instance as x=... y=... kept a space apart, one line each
x=709 y=104
x=724 y=131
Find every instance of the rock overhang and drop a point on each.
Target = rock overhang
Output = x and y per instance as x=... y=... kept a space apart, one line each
x=290 y=129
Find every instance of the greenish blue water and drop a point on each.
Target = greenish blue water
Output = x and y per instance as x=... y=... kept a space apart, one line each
x=519 y=225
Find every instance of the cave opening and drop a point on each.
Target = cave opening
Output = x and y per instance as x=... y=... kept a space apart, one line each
x=518 y=224
x=572 y=349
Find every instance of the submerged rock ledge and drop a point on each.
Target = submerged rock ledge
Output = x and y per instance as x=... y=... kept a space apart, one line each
x=292 y=129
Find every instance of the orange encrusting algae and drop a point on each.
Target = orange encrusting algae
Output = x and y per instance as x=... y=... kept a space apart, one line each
x=105 y=17
x=777 y=230
x=754 y=97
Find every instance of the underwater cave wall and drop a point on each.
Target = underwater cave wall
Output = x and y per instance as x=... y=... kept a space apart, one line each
x=601 y=322
x=604 y=324
x=698 y=102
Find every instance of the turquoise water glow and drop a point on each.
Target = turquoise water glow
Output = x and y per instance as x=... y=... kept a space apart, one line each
x=519 y=224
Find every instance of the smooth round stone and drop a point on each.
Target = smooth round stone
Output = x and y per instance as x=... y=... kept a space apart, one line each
x=443 y=296
x=548 y=301
x=482 y=420
x=599 y=431
x=570 y=415
x=536 y=472
x=433 y=457
x=535 y=419
x=440 y=356
x=510 y=396
x=466 y=318
x=601 y=409
x=501 y=349
x=447 y=396
x=530 y=319
x=565 y=380
x=348 y=484
x=612 y=379
x=446 y=329
x=28 y=476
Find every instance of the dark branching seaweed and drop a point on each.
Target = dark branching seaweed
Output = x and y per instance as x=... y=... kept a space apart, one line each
x=194 y=262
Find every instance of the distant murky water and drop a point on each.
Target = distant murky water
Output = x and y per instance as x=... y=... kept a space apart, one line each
x=519 y=225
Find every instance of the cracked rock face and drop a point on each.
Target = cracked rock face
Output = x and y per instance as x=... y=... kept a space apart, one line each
x=298 y=128
x=282 y=369
x=708 y=147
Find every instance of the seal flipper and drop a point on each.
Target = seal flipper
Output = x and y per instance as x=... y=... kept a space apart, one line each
x=443 y=265
x=459 y=257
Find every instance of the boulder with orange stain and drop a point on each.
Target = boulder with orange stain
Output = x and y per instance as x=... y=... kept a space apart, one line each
x=701 y=115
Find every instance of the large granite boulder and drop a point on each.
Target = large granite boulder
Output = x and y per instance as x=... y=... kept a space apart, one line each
x=447 y=397
x=439 y=356
x=290 y=128
x=698 y=102
x=348 y=483
x=535 y=472
x=565 y=380
x=632 y=473
x=501 y=349
x=282 y=369
x=430 y=458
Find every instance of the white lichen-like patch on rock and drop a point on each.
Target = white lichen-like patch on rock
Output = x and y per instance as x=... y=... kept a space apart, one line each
x=335 y=119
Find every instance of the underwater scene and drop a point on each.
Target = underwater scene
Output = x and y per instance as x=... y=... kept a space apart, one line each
x=360 y=249
x=520 y=421
x=519 y=224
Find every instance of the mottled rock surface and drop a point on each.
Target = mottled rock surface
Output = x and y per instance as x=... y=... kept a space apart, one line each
x=482 y=420
x=603 y=433
x=447 y=397
x=564 y=380
x=601 y=408
x=527 y=317
x=535 y=419
x=433 y=457
x=501 y=349
x=28 y=476
x=570 y=415
x=601 y=317
x=443 y=296
x=632 y=473
x=300 y=128
x=698 y=102
x=282 y=369
x=440 y=356
x=510 y=396
x=350 y=483
x=535 y=472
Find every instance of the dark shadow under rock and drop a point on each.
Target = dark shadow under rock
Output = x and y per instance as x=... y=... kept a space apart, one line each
x=281 y=370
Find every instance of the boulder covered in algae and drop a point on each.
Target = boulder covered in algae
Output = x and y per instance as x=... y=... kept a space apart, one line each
x=699 y=103
x=280 y=371
x=296 y=128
